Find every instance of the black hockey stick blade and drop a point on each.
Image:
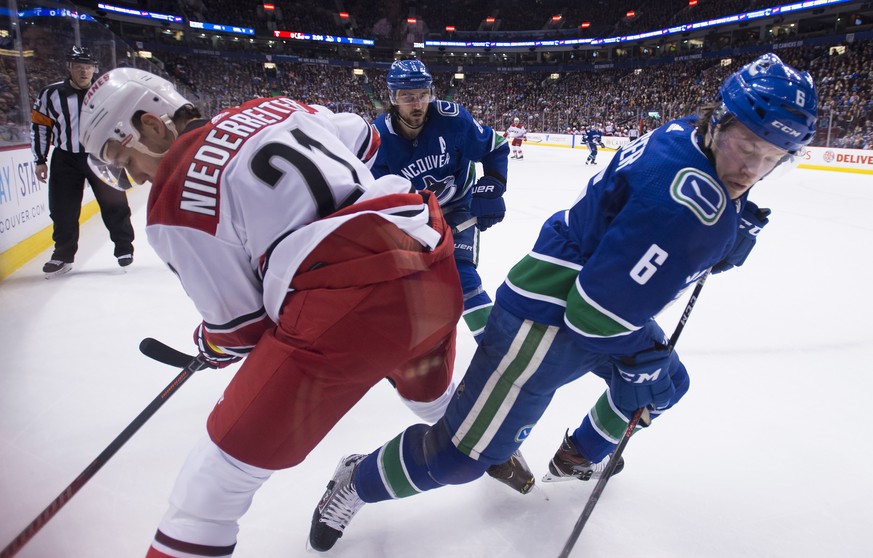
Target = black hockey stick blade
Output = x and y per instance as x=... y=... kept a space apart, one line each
x=165 y=354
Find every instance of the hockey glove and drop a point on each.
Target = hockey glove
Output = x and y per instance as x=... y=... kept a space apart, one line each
x=642 y=380
x=752 y=220
x=209 y=353
x=488 y=206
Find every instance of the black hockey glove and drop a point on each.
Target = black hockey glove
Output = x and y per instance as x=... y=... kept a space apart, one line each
x=209 y=353
x=752 y=220
x=488 y=205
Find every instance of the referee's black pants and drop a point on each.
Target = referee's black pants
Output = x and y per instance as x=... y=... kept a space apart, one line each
x=66 y=188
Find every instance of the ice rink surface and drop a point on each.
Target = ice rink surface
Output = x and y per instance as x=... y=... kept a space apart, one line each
x=769 y=455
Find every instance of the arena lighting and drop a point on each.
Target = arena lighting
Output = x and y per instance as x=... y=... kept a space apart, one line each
x=358 y=71
x=411 y=20
x=269 y=7
x=556 y=18
x=459 y=75
x=269 y=65
x=140 y=13
x=554 y=76
x=450 y=28
x=630 y=14
x=585 y=24
x=741 y=18
x=144 y=54
x=344 y=15
x=489 y=20
x=692 y=3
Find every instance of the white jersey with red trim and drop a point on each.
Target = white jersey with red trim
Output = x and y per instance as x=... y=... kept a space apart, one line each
x=230 y=193
x=516 y=132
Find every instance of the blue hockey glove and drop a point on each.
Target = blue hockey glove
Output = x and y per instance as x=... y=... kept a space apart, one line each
x=752 y=220
x=209 y=353
x=642 y=380
x=488 y=205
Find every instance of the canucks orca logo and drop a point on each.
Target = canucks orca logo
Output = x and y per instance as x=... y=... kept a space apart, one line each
x=523 y=432
x=444 y=189
x=700 y=193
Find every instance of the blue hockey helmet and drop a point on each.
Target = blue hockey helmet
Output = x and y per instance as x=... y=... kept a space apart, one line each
x=773 y=100
x=408 y=74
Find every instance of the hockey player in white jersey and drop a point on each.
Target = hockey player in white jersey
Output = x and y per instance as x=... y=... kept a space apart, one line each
x=516 y=135
x=297 y=259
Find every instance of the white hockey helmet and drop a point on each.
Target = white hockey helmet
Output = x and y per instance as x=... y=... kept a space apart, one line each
x=109 y=108
x=516 y=120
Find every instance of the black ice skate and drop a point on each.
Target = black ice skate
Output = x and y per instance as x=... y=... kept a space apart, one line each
x=56 y=268
x=514 y=473
x=568 y=464
x=337 y=507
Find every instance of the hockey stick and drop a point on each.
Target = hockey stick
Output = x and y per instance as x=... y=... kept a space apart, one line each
x=631 y=426
x=149 y=347
x=465 y=225
x=165 y=354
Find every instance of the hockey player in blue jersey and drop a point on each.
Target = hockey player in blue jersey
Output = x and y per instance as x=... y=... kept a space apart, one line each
x=436 y=144
x=593 y=139
x=667 y=208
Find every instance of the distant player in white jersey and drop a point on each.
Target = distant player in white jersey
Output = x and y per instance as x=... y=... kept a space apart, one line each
x=327 y=279
x=516 y=135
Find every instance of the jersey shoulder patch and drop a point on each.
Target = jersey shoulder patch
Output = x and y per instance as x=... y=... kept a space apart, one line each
x=447 y=108
x=700 y=193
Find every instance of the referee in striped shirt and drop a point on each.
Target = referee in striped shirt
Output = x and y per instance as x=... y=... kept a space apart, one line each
x=55 y=120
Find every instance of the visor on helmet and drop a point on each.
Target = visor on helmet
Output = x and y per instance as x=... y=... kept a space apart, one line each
x=112 y=175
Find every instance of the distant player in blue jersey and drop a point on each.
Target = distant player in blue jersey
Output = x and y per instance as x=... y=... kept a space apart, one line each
x=667 y=208
x=593 y=139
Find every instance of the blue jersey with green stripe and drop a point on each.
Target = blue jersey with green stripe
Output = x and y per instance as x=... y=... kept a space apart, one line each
x=644 y=228
x=442 y=158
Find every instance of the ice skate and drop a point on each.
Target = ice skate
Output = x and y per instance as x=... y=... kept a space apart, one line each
x=514 y=473
x=337 y=507
x=568 y=464
x=56 y=268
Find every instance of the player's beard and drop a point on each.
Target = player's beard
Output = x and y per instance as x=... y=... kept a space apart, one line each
x=415 y=118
